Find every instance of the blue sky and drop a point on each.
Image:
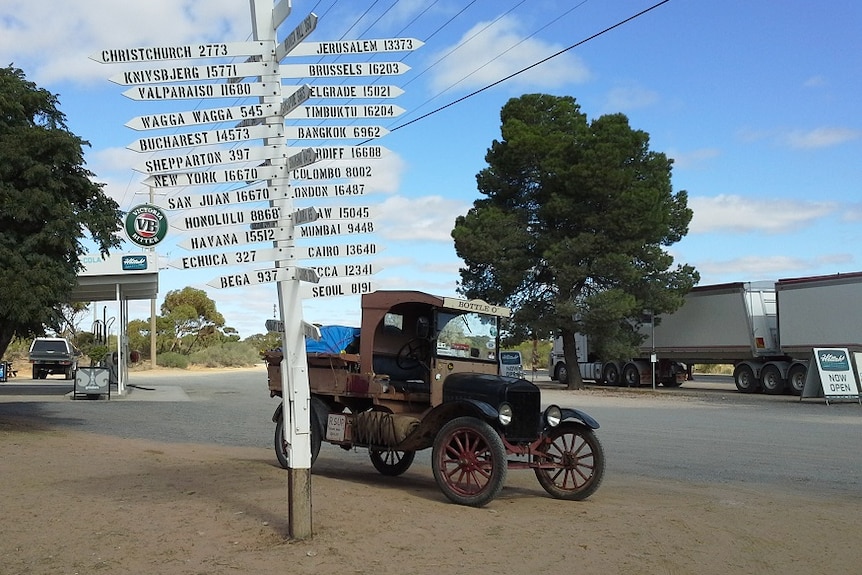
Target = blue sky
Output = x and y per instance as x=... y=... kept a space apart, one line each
x=757 y=102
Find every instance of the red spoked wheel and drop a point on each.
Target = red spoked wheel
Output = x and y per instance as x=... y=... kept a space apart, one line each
x=573 y=462
x=469 y=461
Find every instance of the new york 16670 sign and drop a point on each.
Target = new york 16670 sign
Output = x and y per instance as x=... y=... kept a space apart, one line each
x=146 y=225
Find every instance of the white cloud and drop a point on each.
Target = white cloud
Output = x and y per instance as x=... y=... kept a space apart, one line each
x=820 y=137
x=692 y=159
x=754 y=268
x=466 y=65
x=424 y=218
x=739 y=214
x=53 y=44
x=627 y=98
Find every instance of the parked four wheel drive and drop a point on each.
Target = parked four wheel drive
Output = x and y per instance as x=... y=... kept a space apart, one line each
x=53 y=355
x=427 y=376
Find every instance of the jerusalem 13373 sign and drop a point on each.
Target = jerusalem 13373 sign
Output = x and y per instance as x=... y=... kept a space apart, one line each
x=146 y=225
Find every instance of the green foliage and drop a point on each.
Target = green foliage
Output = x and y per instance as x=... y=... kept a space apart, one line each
x=228 y=354
x=192 y=319
x=543 y=351
x=173 y=359
x=263 y=342
x=47 y=201
x=572 y=227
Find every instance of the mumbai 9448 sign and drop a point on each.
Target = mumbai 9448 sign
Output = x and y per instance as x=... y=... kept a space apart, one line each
x=146 y=225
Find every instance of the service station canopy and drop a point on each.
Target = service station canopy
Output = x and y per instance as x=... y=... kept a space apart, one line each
x=133 y=275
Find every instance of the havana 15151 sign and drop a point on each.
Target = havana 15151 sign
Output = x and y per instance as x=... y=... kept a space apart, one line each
x=146 y=225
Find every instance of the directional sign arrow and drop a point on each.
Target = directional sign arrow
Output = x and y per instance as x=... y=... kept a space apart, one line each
x=329 y=153
x=341 y=70
x=351 y=92
x=345 y=271
x=337 y=228
x=207 y=177
x=334 y=132
x=206 y=219
x=345 y=213
x=184 y=52
x=374 y=46
x=332 y=172
x=296 y=99
x=199 y=91
x=337 y=250
x=213 y=199
x=265 y=276
x=345 y=112
x=210 y=158
x=326 y=290
x=304 y=158
x=205 y=116
x=298 y=34
x=311 y=191
x=304 y=216
x=232 y=258
x=210 y=137
x=187 y=73
x=235 y=236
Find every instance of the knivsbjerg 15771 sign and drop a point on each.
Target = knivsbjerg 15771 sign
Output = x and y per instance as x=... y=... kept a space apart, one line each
x=146 y=225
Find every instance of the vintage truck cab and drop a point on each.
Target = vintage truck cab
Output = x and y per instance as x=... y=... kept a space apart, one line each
x=427 y=375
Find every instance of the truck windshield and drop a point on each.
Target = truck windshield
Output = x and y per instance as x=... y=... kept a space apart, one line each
x=471 y=335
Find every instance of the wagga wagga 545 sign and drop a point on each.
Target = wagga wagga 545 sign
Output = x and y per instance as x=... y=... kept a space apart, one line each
x=146 y=225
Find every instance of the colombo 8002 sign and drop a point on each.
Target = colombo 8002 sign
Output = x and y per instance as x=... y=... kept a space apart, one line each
x=146 y=225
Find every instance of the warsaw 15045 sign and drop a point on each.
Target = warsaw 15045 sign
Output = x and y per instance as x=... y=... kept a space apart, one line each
x=146 y=225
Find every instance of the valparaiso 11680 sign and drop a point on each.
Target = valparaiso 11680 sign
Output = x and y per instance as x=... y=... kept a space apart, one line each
x=146 y=225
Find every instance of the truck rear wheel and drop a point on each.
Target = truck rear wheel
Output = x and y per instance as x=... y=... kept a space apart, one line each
x=743 y=376
x=469 y=461
x=631 y=376
x=771 y=380
x=611 y=375
x=578 y=462
x=796 y=378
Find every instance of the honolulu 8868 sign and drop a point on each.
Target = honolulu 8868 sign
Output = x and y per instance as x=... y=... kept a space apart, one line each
x=146 y=225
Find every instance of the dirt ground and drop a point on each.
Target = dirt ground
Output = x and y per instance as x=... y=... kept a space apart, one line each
x=78 y=504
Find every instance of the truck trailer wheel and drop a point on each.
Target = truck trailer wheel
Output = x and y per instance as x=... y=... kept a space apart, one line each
x=743 y=376
x=469 y=461
x=796 y=378
x=771 y=380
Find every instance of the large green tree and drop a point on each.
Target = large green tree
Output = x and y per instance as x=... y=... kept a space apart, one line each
x=572 y=229
x=47 y=202
x=192 y=318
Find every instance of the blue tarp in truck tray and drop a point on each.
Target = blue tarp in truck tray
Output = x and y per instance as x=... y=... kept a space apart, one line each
x=333 y=339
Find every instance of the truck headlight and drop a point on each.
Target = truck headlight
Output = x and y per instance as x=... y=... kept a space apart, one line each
x=553 y=415
x=505 y=414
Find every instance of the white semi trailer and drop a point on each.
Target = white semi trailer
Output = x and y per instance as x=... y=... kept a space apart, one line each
x=765 y=329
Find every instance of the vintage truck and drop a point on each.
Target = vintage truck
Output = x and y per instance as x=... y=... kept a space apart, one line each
x=50 y=355
x=427 y=375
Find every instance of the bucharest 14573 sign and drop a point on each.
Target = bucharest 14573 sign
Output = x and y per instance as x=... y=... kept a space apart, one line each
x=146 y=225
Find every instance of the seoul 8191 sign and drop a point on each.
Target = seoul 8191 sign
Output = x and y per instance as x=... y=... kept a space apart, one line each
x=146 y=225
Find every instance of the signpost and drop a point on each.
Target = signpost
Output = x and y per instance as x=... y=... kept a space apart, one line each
x=223 y=223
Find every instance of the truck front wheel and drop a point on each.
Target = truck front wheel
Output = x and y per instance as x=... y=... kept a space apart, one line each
x=469 y=461
x=562 y=373
x=571 y=462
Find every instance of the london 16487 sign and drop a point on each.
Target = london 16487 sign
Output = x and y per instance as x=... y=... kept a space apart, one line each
x=146 y=225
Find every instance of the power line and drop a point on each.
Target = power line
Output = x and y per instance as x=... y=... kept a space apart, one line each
x=531 y=66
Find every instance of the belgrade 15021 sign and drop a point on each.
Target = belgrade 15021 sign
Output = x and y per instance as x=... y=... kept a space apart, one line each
x=146 y=225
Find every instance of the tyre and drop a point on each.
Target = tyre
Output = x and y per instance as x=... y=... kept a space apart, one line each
x=572 y=462
x=35 y=373
x=70 y=373
x=631 y=376
x=281 y=445
x=469 y=461
x=771 y=380
x=391 y=463
x=562 y=373
x=743 y=376
x=796 y=378
x=611 y=374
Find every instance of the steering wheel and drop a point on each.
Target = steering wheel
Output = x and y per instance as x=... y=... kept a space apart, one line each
x=412 y=354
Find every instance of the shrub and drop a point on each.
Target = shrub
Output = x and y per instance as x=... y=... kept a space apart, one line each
x=173 y=359
x=228 y=354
